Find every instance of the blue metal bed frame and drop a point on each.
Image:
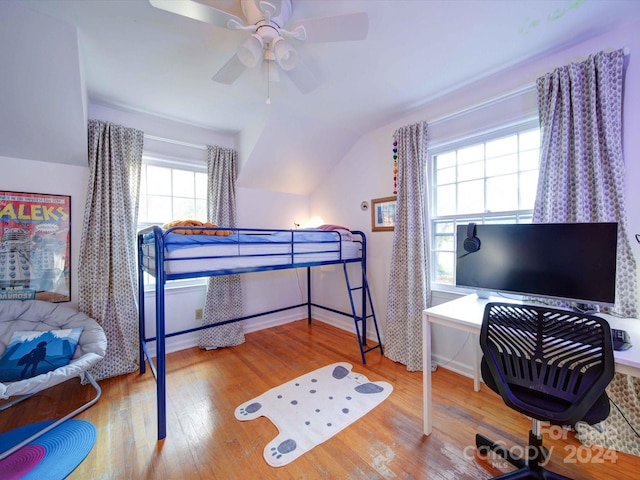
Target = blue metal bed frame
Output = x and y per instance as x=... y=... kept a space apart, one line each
x=156 y=236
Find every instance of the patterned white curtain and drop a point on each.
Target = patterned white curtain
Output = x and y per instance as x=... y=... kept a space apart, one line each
x=409 y=284
x=581 y=164
x=107 y=270
x=582 y=180
x=224 y=293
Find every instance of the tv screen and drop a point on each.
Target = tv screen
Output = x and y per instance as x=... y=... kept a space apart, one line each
x=572 y=261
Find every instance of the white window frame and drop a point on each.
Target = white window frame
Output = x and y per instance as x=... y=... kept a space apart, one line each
x=480 y=217
x=186 y=164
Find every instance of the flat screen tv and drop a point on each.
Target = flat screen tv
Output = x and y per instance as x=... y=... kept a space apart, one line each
x=574 y=262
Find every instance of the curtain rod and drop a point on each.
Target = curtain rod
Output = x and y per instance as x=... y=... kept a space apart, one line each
x=626 y=50
x=486 y=103
x=175 y=142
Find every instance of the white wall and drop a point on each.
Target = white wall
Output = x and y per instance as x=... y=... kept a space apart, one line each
x=256 y=209
x=43 y=113
x=365 y=172
x=261 y=291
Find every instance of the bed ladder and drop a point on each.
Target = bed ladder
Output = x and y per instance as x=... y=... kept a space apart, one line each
x=361 y=320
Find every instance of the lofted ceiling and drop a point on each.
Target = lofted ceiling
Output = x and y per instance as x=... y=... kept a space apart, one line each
x=135 y=57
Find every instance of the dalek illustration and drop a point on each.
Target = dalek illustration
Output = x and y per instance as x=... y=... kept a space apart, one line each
x=15 y=252
x=47 y=257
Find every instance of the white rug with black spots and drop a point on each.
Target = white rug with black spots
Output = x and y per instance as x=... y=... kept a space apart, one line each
x=312 y=408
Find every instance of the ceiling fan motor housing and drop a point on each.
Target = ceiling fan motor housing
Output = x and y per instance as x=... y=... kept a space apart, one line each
x=266 y=43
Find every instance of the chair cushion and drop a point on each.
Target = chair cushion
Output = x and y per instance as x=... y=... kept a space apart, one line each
x=31 y=353
x=36 y=315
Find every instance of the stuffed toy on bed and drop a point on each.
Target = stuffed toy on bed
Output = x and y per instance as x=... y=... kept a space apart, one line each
x=196 y=231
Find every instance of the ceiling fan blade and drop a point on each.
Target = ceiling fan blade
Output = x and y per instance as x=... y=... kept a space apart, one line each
x=270 y=7
x=197 y=11
x=302 y=78
x=230 y=71
x=337 y=28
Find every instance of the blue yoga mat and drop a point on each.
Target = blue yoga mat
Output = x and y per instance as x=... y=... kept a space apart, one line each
x=53 y=456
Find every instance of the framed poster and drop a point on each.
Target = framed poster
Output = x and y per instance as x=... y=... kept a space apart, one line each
x=383 y=214
x=35 y=246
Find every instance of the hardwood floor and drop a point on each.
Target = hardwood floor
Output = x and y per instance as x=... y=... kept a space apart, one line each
x=205 y=441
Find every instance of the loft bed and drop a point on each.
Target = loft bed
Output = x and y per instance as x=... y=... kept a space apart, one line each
x=192 y=252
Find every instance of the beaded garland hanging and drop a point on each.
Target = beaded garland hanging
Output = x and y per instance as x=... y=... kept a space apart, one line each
x=395 y=167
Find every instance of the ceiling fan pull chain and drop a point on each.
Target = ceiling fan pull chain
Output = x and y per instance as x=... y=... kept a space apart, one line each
x=268 y=84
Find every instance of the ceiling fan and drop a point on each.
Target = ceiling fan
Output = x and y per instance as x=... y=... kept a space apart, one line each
x=268 y=42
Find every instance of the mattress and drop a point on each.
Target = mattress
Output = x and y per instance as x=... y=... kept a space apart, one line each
x=203 y=253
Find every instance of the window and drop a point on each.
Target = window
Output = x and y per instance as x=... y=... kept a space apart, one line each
x=170 y=193
x=485 y=179
x=171 y=190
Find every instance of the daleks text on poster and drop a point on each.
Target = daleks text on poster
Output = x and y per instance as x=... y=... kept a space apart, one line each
x=35 y=246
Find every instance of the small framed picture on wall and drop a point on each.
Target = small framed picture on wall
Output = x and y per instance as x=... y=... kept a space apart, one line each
x=383 y=214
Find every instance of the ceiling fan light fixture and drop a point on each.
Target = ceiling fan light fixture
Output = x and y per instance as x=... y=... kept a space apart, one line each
x=286 y=55
x=250 y=51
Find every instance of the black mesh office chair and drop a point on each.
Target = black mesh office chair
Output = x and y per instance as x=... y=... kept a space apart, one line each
x=548 y=364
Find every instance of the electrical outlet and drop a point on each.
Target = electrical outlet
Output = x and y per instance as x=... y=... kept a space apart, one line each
x=198 y=314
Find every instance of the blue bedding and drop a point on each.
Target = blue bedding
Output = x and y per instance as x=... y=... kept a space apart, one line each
x=174 y=241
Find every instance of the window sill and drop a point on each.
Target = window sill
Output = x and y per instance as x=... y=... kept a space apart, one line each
x=149 y=290
x=441 y=295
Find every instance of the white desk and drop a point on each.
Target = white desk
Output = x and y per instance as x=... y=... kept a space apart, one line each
x=466 y=314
